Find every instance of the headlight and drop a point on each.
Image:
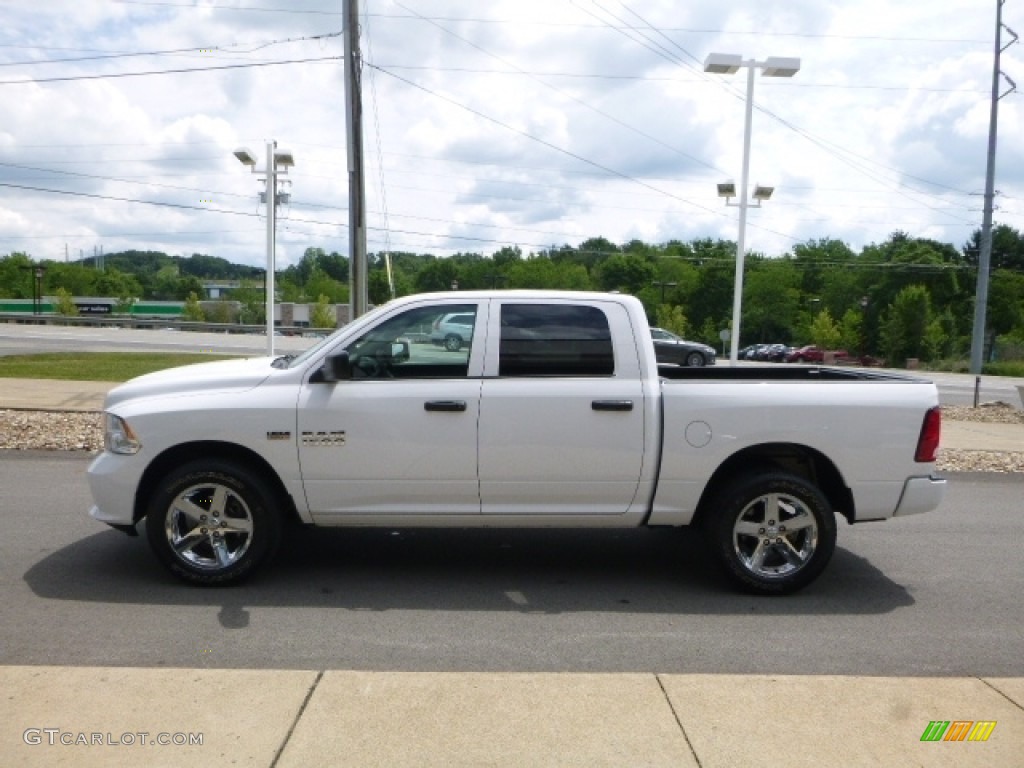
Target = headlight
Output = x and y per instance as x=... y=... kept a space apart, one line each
x=118 y=437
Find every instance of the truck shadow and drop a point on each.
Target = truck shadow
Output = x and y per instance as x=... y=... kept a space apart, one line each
x=659 y=571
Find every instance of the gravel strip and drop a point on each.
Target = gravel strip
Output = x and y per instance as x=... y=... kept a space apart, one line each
x=50 y=431
x=53 y=431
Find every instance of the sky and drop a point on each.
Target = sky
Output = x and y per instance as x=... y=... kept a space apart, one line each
x=533 y=123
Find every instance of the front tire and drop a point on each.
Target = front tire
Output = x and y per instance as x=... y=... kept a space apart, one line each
x=695 y=360
x=212 y=522
x=773 y=532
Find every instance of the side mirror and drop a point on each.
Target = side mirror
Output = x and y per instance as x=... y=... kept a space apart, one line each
x=400 y=351
x=337 y=367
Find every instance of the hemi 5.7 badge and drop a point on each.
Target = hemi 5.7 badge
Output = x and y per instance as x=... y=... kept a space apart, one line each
x=323 y=439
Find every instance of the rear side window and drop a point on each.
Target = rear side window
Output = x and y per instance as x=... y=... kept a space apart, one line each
x=555 y=340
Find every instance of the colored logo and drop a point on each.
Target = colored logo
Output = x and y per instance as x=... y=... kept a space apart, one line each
x=958 y=730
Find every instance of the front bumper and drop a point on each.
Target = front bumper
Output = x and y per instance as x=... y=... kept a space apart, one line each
x=113 y=480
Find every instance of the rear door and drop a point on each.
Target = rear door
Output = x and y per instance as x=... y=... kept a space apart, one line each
x=562 y=410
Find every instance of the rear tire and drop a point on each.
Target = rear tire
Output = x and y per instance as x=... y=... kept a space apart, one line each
x=213 y=522
x=452 y=342
x=773 y=532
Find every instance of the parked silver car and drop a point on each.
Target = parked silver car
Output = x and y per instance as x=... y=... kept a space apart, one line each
x=453 y=330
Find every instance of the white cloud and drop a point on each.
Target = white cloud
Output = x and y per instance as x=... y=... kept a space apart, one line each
x=884 y=128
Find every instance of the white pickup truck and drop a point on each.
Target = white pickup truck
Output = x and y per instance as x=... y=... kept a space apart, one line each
x=553 y=412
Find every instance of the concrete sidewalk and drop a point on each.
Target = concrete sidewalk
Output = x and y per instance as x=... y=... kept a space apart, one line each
x=56 y=395
x=53 y=394
x=294 y=719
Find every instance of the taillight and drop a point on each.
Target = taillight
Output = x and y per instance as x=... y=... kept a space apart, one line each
x=928 y=442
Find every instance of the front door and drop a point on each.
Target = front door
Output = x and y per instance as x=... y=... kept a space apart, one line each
x=400 y=437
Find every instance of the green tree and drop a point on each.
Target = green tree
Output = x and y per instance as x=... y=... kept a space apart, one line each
x=252 y=308
x=221 y=312
x=710 y=333
x=165 y=283
x=76 y=279
x=544 y=273
x=193 y=310
x=16 y=276
x=440 y=275
x=1007 y=248
x=1006 y=302
x=851 y=332
x=629 y=273
x=321 y=284
x=824 y=331
x=113 y=282
x=322 y=315
x=671 y=318
x=65 y=304
x=904 y=324
x=771 y=301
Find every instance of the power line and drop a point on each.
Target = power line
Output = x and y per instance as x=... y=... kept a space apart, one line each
x=841 y=154
x=104 y=55
x=568 y=153
x=564 y=94
x=250 y=65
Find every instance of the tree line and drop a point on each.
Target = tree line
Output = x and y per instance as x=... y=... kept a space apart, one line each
x=906 y=297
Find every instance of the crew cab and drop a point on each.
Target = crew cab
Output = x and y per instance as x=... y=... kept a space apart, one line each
x=552 y=413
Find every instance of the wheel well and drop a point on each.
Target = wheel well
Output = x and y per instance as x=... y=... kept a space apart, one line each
x=799 y=460
x=180 y=454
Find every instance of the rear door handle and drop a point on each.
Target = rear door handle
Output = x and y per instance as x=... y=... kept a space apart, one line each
x=445 y=405
x=612 y=405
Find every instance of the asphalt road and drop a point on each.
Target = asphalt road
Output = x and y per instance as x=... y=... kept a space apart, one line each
x=937 y=594
x=18 y=339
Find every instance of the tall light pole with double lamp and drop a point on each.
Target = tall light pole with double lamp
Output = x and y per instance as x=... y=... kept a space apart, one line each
x=278 y=162
x=728 y=64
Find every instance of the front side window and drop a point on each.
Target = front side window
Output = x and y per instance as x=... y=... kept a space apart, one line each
x=423 y=342
x=555 y=340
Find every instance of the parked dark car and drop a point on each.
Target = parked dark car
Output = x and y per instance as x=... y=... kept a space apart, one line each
x=773 y=353
x=671 y=349
x=813 y=354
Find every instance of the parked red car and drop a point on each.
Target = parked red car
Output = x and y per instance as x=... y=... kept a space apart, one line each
x=812 y=354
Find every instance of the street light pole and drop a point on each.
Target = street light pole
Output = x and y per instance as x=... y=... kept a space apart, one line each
x=727 y=64
x=278 y=162
x=271 y=242
x=741 y=246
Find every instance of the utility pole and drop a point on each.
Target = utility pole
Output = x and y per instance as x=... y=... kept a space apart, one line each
x=356 y=187
x=985 y=255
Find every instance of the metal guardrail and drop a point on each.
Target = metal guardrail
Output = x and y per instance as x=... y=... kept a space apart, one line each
x=126 y=321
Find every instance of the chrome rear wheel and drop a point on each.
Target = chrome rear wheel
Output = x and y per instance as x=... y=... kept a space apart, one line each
x=773 y=532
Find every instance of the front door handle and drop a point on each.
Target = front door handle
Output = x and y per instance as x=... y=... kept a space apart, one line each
x=612 y=405
x=445 y=405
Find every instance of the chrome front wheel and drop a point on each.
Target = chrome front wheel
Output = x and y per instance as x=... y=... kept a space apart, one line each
x=209 y=526
x=212 y=521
